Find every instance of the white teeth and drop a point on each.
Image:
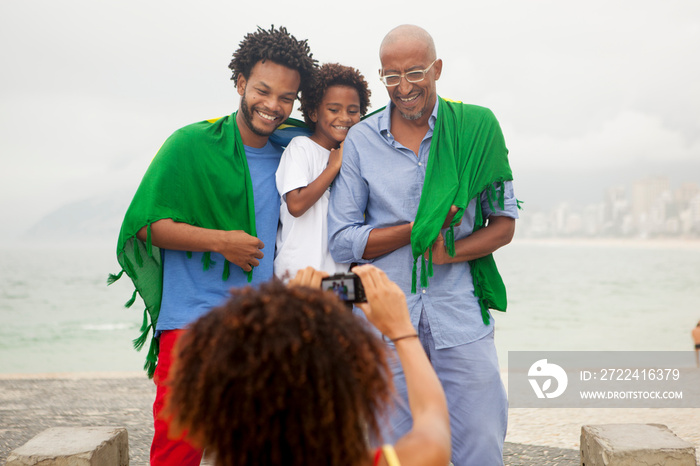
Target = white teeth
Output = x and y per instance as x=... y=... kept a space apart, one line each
x=408 y=99
x=267 y=117
x=342 y=128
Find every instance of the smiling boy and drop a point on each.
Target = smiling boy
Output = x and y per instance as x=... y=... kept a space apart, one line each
x=336 y=102
x=205 y=216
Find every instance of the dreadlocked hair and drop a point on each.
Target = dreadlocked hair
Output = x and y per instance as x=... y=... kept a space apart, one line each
x=279 y=376
x=333 y=74
x=276 y=45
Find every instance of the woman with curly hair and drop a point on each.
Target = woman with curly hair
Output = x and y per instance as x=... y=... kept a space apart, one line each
x=337 y=100
x=288 y=376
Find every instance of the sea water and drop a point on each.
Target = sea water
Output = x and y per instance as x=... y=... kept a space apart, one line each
x=58 y=315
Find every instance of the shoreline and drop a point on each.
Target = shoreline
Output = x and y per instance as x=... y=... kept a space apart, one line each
x=691 y=242
x=71 y=375
x=660 y=243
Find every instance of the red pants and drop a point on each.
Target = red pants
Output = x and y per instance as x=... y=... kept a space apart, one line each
x=166 y=451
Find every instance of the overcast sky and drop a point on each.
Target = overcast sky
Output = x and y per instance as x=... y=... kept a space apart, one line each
x=90 y=89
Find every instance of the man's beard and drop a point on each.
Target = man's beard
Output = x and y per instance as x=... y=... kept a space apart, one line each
x=411 y=117
x=248 y=118
x=418 y=113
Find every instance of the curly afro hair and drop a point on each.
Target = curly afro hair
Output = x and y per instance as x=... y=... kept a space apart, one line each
x=280 y=375
x=333 y=74
x=278 y=46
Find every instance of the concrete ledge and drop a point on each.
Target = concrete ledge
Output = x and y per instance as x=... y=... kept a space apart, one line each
x=74 y=446
x=634 y=444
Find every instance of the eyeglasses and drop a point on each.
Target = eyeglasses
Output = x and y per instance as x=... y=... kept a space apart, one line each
x=391 y=80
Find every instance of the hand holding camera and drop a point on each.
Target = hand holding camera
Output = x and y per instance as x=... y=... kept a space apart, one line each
x=308 y=277
x=380 y=299
x=386 y=303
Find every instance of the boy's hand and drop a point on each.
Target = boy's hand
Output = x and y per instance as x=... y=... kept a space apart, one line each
x=335 y=160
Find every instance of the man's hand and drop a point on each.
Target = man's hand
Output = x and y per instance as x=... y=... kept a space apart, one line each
x=440 y=255
x=242 y=249
x=450 y=215
x=498 y=232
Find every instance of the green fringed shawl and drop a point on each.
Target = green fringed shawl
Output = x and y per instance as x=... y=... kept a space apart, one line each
x=199 y=176
x=467 y=156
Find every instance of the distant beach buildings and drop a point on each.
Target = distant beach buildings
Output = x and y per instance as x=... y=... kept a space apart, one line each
x=651 y=208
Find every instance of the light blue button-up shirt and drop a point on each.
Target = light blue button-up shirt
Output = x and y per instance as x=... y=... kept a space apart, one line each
x=379 y=185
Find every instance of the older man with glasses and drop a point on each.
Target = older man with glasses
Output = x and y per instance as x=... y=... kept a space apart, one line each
x=425 y=193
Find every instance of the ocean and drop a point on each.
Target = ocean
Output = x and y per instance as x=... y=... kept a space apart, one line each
x=57 y=314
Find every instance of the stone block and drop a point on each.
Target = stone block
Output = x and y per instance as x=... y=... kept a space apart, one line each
x=634 y=444
x=74 y=446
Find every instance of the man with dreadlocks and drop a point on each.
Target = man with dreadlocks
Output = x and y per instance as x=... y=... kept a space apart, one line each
x=204 y=218
x=411 y=173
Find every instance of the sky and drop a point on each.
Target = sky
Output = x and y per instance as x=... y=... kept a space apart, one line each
x=584 y=91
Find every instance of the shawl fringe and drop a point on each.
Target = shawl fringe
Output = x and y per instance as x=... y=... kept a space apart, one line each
x=467 y=157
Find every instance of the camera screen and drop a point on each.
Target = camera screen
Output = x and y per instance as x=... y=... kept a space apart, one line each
x=344 y=288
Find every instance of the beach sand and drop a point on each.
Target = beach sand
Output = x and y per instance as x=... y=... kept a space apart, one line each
x=31 y=403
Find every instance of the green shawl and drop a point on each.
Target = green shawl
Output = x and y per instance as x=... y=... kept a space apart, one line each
x=467 y=156
x=199 y=176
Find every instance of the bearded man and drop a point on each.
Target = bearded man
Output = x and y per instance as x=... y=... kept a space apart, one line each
x=204 y=218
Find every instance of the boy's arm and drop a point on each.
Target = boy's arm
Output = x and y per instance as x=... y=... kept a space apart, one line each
x=237 y=246
x=301 y=199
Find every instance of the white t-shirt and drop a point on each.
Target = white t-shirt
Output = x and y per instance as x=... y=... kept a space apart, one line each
x=303 y=241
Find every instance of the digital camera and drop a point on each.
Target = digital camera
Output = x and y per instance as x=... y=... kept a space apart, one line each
x=347 y=286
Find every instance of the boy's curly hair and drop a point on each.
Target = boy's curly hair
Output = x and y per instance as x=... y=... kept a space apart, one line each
x=333 y=74
x=280 y=375
x=276 y=45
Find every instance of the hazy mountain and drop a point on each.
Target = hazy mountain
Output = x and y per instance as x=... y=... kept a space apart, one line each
x=99 y=218
x=93 y=219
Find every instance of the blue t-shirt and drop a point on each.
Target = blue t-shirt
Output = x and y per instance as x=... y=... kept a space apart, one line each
x=189 y=291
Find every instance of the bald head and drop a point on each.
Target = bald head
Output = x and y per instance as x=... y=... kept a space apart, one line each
x=407 y=54
x=409 y=32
